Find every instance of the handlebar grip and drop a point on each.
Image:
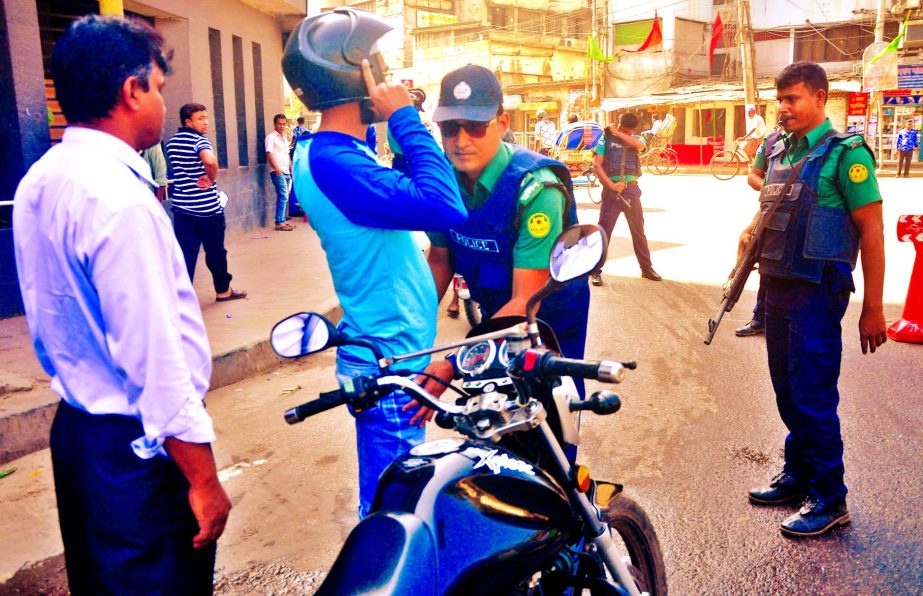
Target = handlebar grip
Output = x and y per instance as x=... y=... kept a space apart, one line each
x=324 y=402
x=604 y=370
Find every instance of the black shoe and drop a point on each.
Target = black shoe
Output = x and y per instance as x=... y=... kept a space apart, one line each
x=596 y=278
x=754 y=327
x=816 y=517
x=650 y=274
x=784 y=488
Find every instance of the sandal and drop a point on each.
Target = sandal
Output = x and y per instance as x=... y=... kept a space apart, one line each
x=452 y=312
x=284 y=227
x=235 y=295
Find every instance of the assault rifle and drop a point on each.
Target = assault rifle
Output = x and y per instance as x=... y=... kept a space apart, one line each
x=734 y=285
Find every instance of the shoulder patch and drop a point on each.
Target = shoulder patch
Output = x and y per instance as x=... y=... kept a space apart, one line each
x=530 y=188
x=858 y=173
x=539 y=225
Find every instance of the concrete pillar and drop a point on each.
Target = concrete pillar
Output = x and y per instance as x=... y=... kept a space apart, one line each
x=23 y=125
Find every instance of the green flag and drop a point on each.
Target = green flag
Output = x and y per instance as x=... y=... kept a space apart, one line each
x=594 y=52
x=892 y=47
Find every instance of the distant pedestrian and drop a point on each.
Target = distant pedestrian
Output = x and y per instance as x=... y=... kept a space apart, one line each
x=299 y=129
x=756 y=131
x=116 y=325
x=198 y=215
x=618 y=168
x=545 y=133
x=907 y=141
x=280 y=165
x=572 y=118
x=154 y=157
x=807 y=253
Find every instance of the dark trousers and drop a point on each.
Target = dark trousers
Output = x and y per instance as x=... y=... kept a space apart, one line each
x=903 y=162
x=126 y=522
x=609 y=212
x=804 y=344
x=759 y=309
x=206 y=232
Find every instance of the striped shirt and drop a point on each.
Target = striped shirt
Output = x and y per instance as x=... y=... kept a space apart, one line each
x=183 y=152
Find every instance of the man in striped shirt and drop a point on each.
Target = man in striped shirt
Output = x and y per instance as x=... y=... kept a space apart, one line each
x=198 y=216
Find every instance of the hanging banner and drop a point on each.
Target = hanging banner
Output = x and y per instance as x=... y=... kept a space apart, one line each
x=857 y=104
x=879 y=68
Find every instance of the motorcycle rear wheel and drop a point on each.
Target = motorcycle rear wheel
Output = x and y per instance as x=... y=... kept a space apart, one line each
x=631 y=526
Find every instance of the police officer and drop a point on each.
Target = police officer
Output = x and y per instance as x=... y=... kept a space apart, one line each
x=518 y=202
x=363 y=213
x=618 y=168
x=810 y=246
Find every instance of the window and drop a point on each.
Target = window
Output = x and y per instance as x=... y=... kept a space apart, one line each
x=839 y=43
x=708 y=122
x=217 y=117
x=258 y=102
x=447 y=5
x=436 y=39
x=240 y=101
x=501 y=16
x=577 y=23
x=530 y=21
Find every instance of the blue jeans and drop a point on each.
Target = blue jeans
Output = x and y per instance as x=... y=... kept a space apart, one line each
x=383 y=433
x=282 y=184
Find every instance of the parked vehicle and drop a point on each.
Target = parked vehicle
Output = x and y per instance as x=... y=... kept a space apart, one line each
x=501 y=509
x=472 y=309
x=574 y=147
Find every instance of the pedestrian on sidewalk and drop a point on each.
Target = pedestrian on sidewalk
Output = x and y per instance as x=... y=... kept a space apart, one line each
x=364 y=212
x=545 y=133
x=116 y=325
x=756 y=131
x=198 y=215
x=907 y=142
x=618 y=169
x=518 y=203
x=277 y=145
x=806 y=259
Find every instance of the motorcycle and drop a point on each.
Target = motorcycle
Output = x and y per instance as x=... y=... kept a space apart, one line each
x=501 y=509
x=472 y=309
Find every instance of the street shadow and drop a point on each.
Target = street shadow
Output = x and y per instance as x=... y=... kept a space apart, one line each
x=621 y=247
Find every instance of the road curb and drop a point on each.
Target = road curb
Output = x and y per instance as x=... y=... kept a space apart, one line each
x=27 y=431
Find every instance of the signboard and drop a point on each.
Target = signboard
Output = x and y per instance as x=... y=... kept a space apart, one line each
x=855 y=124
x=902 y=100
x=407 y=83
x=426 y=18
x=857 y=104
x=910 y=76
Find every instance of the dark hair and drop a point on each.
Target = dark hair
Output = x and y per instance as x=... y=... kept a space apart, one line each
x=809 y=73
x=628 y=120
x=186 y=112
x=93 y=58
x=300 y=119
x=277 y=116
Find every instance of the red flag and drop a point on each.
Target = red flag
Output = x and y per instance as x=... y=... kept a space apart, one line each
x=655 y=37
x=717 y=31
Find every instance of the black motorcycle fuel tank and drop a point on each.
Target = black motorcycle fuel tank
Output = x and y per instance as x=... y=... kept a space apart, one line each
x=495 y=518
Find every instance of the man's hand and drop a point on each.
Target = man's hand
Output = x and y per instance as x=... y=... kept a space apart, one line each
x=618 y=186
x=387 y=98
x=873 y=331
x=442 y=369
x=211 y=507
x=204 y=181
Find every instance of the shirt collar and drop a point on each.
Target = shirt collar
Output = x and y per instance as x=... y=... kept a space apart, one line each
x=816 y=133
x=111 y=145
x=491 y=174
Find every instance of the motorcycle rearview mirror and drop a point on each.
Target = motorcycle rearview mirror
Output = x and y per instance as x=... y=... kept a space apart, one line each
x=304 y=333
x=578 y=251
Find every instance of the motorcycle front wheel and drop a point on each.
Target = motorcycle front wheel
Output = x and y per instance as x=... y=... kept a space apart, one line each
x=634 y=534
x=472 y=312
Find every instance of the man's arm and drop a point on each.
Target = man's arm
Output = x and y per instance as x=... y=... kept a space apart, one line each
x=755 y=179
x=210 y=162
x=636 y=144
x=526 y=282
x=209 y=502
x=272 y=160
x=872 y=327
x=441 y=267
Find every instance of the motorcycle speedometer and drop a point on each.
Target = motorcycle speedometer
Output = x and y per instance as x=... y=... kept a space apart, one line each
x=474 y=359
x=503 y=354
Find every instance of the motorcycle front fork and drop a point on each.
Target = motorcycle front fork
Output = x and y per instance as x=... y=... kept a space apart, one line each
x=599 y=537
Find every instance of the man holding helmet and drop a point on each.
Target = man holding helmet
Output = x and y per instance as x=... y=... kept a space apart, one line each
x=363 y=212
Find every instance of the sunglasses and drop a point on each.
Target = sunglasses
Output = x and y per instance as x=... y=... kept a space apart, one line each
x=451 y=128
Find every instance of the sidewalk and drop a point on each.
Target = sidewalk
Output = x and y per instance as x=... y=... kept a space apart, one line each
x=282 y=272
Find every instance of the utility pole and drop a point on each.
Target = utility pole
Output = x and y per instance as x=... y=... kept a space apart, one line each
x=880 y=21
x=745 y=33
x=879 y=37
x=595 y=36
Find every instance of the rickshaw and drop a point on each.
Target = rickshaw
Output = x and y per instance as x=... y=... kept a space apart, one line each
x=574 y=148
x=659 y=157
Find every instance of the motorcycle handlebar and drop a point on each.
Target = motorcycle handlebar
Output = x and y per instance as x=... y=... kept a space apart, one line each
x=324 y=402
x=601 y=370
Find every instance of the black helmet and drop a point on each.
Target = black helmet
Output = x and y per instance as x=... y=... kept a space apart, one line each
x=323 y=57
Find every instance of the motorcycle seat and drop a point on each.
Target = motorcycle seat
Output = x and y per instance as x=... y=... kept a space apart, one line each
x=387 y=553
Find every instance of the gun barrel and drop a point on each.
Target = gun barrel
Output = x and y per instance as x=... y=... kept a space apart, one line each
x=713 y=323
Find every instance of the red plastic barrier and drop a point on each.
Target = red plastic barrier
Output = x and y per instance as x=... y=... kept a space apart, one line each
x=910 y=326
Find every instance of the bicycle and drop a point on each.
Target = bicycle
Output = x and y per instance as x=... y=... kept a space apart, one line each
x=725 y=164
x=664 y=161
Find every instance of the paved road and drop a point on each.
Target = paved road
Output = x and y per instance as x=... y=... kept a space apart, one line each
x=697 y=428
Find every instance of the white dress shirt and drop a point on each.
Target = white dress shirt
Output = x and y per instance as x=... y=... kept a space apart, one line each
x=277 y=146
x=113 y=316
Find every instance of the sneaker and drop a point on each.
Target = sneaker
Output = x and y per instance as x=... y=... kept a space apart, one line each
x=596 y=278
x=754 y=327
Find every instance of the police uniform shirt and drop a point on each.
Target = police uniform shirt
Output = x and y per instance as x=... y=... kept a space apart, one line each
x=601 y=150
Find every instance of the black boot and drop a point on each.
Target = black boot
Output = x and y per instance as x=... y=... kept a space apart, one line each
x=816 y=516
x=754 y=327
x=784 y=488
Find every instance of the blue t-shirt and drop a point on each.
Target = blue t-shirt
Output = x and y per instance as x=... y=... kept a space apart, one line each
x=363 y=213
